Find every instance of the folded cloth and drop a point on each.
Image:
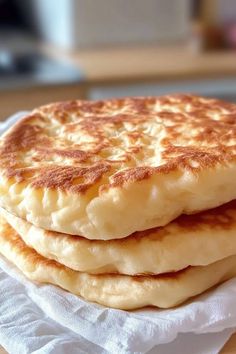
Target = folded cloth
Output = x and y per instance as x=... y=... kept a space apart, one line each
x=41 y=318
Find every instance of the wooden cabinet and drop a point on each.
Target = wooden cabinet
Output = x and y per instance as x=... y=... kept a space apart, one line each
x=16 y=100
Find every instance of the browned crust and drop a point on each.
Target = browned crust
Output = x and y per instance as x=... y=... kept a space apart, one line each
x=200 y=133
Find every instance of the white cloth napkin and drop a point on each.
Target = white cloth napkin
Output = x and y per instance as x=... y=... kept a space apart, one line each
x=43 y=319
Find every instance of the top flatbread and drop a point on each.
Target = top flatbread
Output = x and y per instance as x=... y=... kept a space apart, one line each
x=105 y=169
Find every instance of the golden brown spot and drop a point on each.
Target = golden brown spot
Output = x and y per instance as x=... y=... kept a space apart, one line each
x=74 y=145
x=63 y=177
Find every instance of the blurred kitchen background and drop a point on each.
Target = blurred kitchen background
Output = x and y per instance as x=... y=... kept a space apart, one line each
x=54 y=50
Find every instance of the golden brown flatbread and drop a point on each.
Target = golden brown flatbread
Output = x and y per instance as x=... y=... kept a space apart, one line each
x=198 y=239
x=118 y=291
x=105 y=169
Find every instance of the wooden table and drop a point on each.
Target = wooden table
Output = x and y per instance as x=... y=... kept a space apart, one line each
x=27 y=98
x=230 y=346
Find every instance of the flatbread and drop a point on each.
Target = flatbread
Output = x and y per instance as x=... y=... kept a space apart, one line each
x=106 y=169
x=118 y=291
x=198 y=239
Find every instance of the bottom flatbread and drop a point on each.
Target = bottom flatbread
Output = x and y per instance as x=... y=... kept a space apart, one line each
x=117 y=291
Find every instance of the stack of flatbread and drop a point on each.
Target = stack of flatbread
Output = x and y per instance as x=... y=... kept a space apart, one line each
x=125 y=202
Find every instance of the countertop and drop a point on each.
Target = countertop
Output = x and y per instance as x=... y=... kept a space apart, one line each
x=148 y=63
x=121 y=66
